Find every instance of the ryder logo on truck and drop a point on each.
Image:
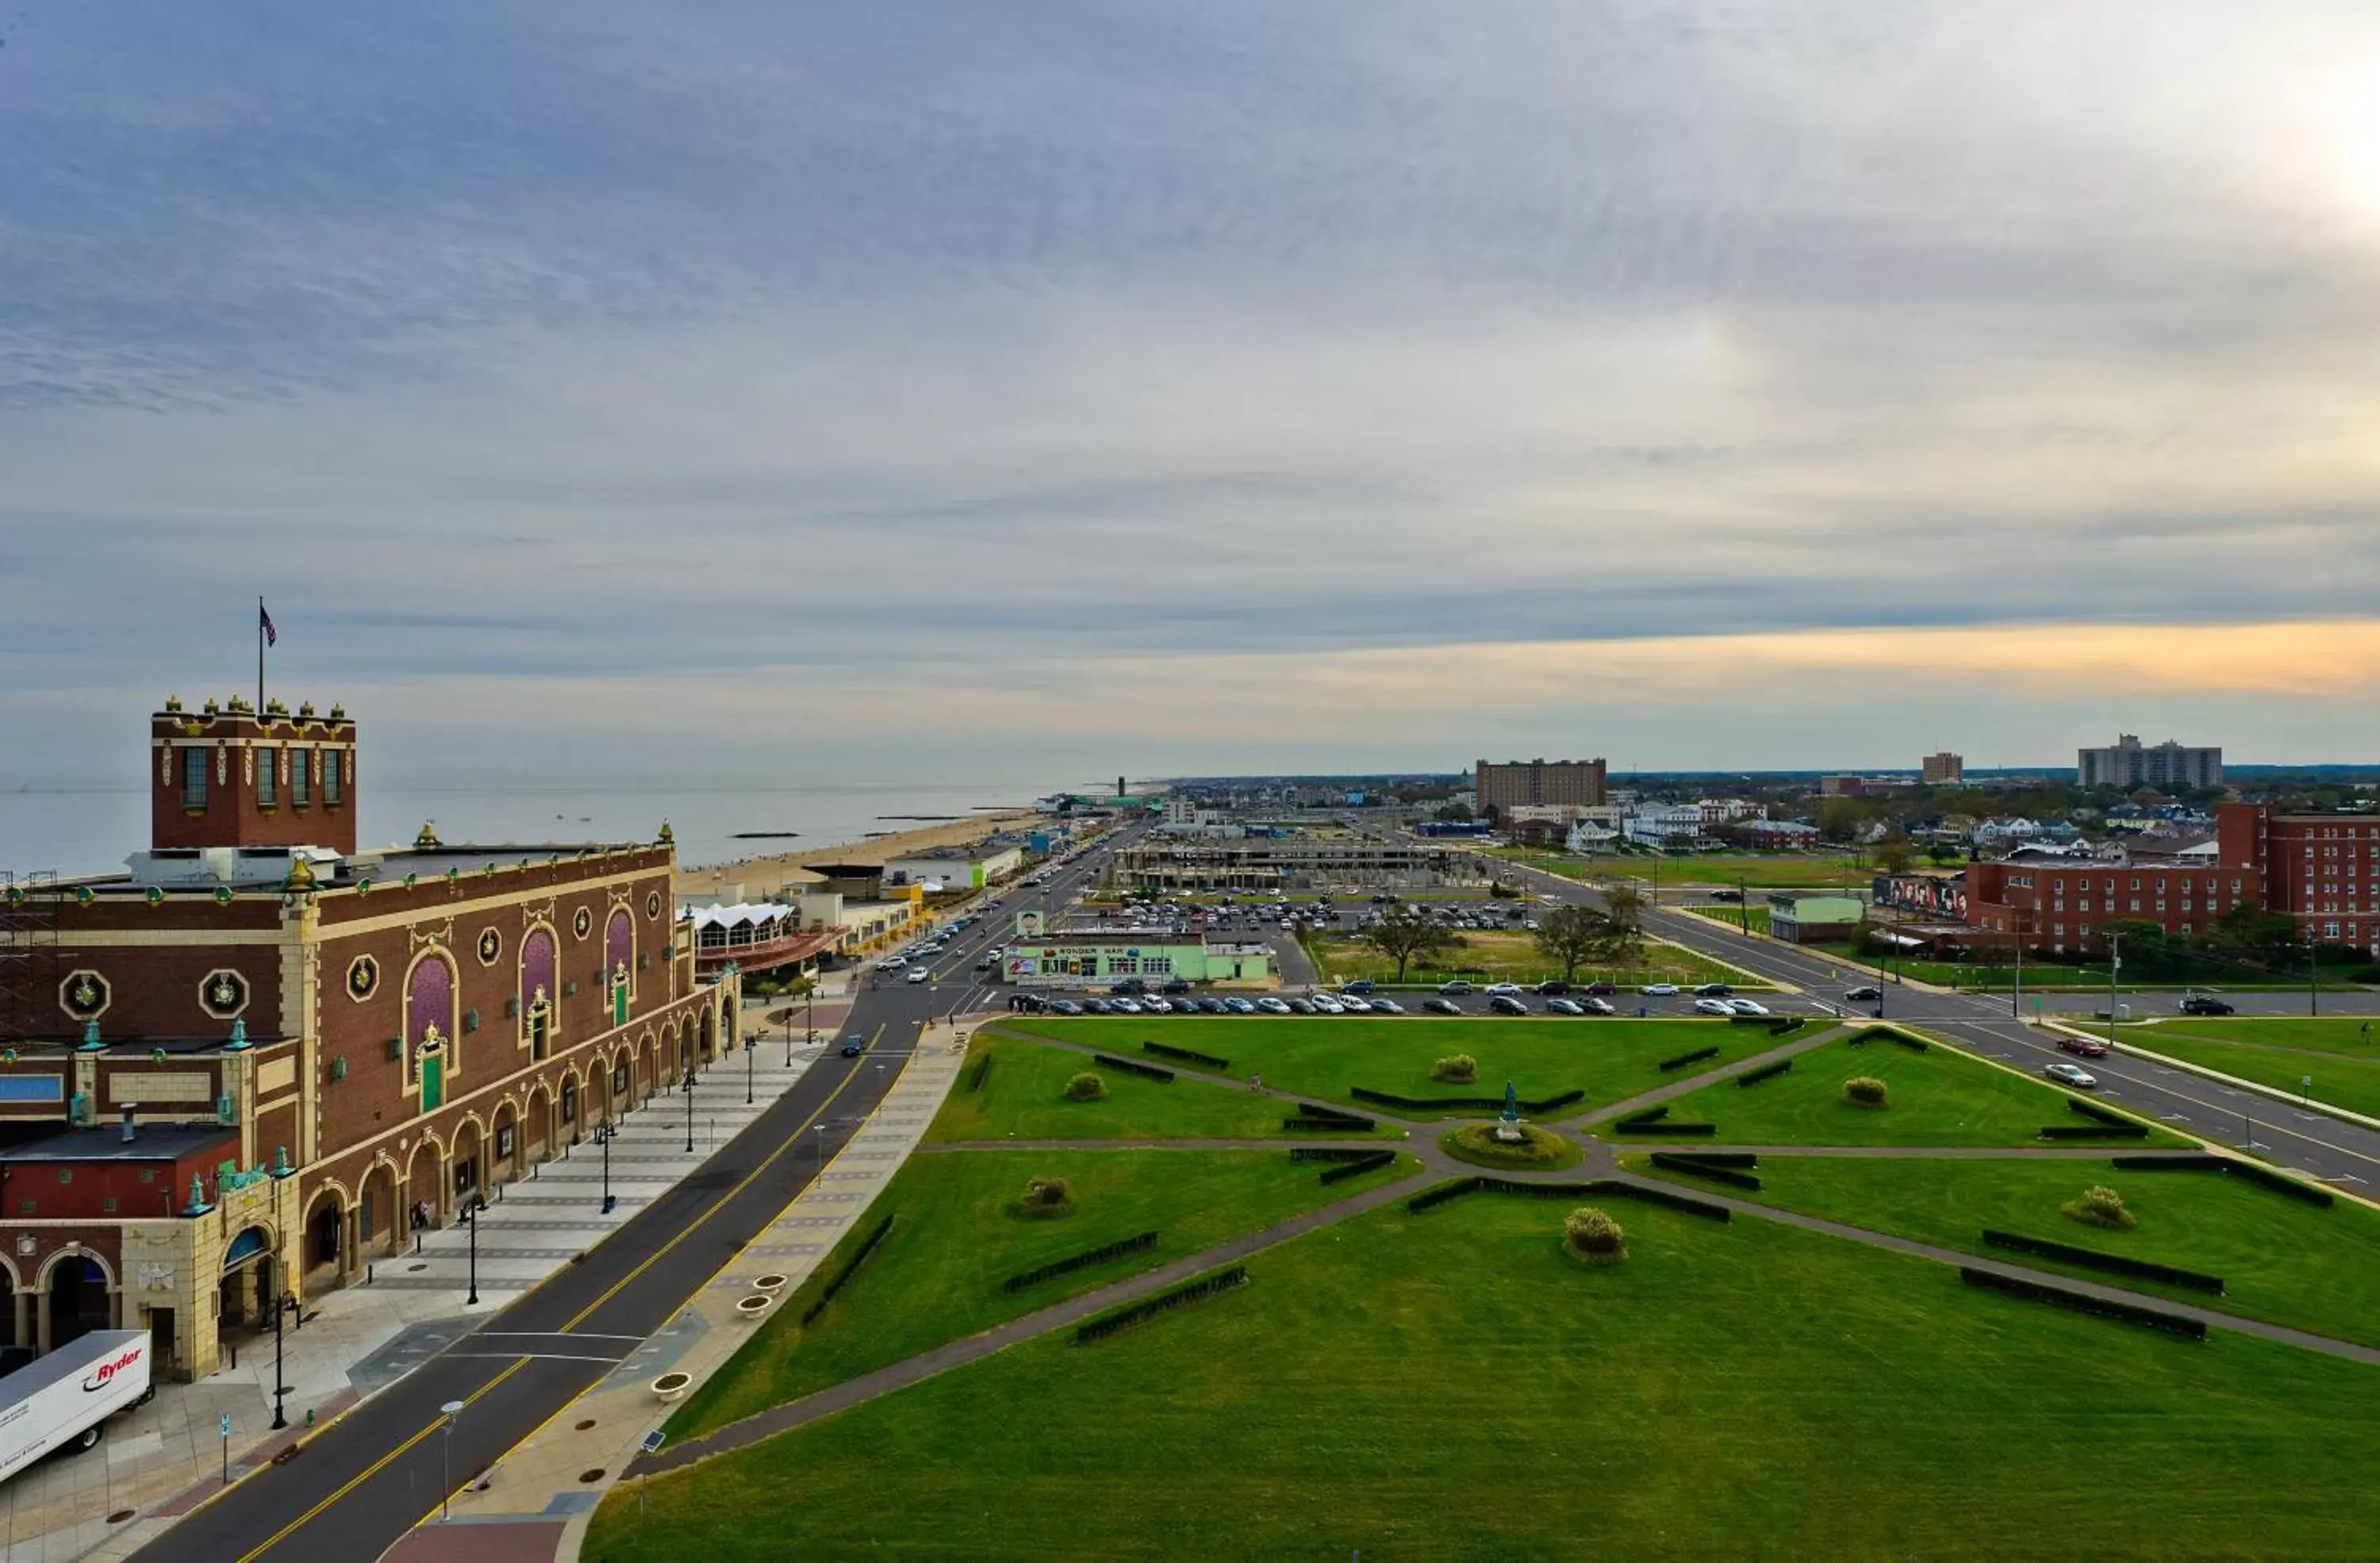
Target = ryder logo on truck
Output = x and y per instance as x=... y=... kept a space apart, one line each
x=100 y=1377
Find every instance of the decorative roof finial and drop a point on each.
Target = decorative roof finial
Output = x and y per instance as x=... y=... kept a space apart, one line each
x=426 y=840
x=239 y=1042
x=668 y=836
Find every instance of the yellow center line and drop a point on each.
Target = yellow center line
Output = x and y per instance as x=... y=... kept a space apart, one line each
x=581 y=1318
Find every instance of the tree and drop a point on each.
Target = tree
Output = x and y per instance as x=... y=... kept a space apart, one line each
x=1574 y=935
x=1453 y=812
x=1625 y=908
x=1402 y=935
x=1893 y=854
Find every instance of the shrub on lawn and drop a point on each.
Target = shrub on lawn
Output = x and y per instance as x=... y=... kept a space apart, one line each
x=2100 y=1206
x=1865 y=1090
x=1539 y=1148
x=1593 y=1238
x=1086 y=1087
x=1459 y=1070
x=1045 y=1199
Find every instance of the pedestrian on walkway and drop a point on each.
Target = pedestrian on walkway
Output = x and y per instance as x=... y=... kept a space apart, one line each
x=1255 y=1081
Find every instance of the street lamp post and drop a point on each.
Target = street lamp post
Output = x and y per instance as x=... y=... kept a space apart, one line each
x=605 y=1133
x=472 y=1220
x=749 y=1049
x=687 y=1085
x=450 y=1411
x=2115 y=965
x=280 y=1382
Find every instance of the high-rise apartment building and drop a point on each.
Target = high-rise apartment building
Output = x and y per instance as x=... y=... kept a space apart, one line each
x=2129 y=764
x=1516 y=782
x=1944 y=767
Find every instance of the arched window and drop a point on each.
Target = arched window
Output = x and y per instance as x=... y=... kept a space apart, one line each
x=429 y=1026
x=537 y=986
x=620 y=960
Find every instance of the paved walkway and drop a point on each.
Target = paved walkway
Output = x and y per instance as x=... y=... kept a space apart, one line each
x=164 y=1459
x=1696 y=1079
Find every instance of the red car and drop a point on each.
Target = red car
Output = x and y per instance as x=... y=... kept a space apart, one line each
x=1601 y=989
x=2083 y=1045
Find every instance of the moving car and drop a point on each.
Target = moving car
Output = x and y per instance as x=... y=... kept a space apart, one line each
x=2085 y=1046
x=1713 y=1007
x=918 y=973
x=1505 y=1004
x=1730 y=896
x=1867 y=995
x=1714 y=991
x=1563 y=1007
x=2201 y=1004
x=1361 y=984
x=854 y=1045
x=1441 y=1006
x=2070 y=1074
x=1659 y=990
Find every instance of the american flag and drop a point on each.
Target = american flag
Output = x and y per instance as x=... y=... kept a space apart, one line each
x=264 y=623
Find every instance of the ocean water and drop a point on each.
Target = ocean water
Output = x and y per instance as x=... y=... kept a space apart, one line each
x=90 y=830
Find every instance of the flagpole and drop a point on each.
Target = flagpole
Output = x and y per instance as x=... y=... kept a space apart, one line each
x=260 y=658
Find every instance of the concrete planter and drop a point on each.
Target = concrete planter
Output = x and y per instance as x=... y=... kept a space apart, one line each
x=770 y=1284
x=750 y=1308
x=673 y=1386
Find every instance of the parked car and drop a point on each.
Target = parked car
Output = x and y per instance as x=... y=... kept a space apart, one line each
x=2203 y=1004
x=1594 y=1006
x=1097 y=1007
x=1386 y=1007
x=1176 y=985
x=1130 y=985
x=1153 y=1005
x=1271 y=1005
x=1213 y=1007
x=1713 y=1007
x=1603 y=989
x=2087 y=1047
x=1239 y=1006
x=1747 y=1007
x=1867 y=995
x=1065 y=1006
x=1659 y=990
x=2070 y=1074
x=1361 y=984
x=1714 y=991
x=1503 y=989
x=1441 y=1006
x=1457 y=987
x=1556 y=986
x=1563 y=1007
x=1303 y=1007
x=1324 y=1004
x=1505 y=1004
x=1354 y=1004
x=1124 y=1006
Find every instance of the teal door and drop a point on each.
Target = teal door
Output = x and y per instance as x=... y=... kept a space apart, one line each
x=433 y=1082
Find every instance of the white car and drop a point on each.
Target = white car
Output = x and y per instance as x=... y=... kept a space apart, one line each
x=1659 y=990
x=1712 y=1006
x=919 y=974
x=1156 y=1006
x=894 y=963
x=1328 y=1006
x=1273 y=1006
x=1745 y=1006
x=2071 y=1075
x=1125 y=1006
x=1509 y=989
x=1354 y=1005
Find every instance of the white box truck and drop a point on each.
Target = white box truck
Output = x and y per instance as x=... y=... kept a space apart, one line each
x=59 y=1400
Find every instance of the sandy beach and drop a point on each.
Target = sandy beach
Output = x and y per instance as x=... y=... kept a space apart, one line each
x=763 y=874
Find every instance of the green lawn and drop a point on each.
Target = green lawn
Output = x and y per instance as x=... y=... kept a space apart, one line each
x=2280 y=1053
x=1757 y=871
x=1938 y=1097
x=1323 y=1055
x=936 y=1276
x=1023 y=1099
x=1514 y=957
x=2281 y=1260
x=1451 y=1387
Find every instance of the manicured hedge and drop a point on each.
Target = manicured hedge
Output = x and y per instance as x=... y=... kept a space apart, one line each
x=1430 y=1199
x=1885 y=1034
x=2171 y=1163
x=2114 y=1264
x=1100 y=1255
x=1727 y=1175
x=2152 y=1318
x=1133 y=1066
x=1782 y=1024
x=1185 y=1055
x=1766 y=1072
x=2094 y=1131
x=1715 y=1158
x=2266 y=1178
x=1426 y=1103
x=1356 y=1168
x=850 y=1268
x=976 y=1075
x=1351 y=1125
x=1324 y=1110
x=1538 y=1190
x=1164 y=1301
x=1686 y=1203
x=1649 y=1115
x=2077 y=1105
x=1670 y=1066
x=1687 y=1130
x=1328 y=1153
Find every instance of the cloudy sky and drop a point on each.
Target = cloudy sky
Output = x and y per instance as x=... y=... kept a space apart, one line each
x=1055 y=389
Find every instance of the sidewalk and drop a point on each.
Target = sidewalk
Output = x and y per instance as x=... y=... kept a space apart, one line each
x=534 y=1504
x=165 y=1457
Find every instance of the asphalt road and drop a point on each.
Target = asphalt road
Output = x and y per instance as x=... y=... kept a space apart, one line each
x=357 y=1489
x=2305 y=1141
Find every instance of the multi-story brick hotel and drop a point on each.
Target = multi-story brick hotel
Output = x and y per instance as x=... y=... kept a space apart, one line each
x=2322 y=870
x=238 y=1070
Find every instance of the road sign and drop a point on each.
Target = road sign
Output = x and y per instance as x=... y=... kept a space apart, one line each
x=226 y=1425
x=652 y=1444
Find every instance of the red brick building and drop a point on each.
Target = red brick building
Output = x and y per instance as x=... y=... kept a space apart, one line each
x=234 y=1070
x=2322 y=870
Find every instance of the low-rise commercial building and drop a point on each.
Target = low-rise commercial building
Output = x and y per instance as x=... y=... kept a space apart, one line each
x=1084 y=960
x=954 y=868
x=1295 y=862
x=1814 y=919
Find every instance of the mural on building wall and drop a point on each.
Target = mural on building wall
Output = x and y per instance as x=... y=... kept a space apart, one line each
x=1926 y=893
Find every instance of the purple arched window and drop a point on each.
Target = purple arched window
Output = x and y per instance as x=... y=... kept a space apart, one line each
x=619 y=945
x=537 y=969
x=428 y=1004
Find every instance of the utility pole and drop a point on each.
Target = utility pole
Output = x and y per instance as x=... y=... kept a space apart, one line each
x=2313 y=971
x=2115 y=965
x=2016 y=993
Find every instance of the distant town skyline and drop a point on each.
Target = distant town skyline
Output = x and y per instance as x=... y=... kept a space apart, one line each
x=1040 y=390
